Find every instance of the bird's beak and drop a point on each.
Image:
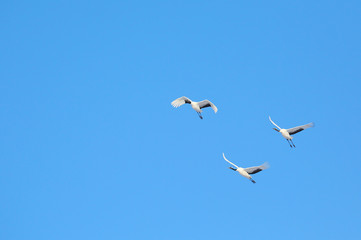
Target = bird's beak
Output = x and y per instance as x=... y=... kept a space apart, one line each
x=276 y=129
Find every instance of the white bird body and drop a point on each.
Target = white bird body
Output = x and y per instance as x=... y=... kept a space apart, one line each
x=197 y=106
x=286 y=133
x=245 y=172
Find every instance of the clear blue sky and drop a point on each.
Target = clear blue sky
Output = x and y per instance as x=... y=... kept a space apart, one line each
x=92 y=149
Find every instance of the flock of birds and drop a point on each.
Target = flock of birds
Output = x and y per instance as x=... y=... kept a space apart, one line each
x=245 y=172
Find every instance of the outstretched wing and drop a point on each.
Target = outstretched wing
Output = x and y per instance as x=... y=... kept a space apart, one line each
x=295 y=130
x=253 y=170
x=273 y=123
x=180 y=101
x=207 y=103
x=229 y=161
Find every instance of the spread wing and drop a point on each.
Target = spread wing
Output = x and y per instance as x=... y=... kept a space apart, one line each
x=229 y=161
x=180 y=101
x=274 y=123
x=295 y=130
x=207 y=103
x=253 y=170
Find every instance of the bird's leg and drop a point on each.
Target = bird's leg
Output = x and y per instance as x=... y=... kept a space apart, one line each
x=200 y=115
x=292 y=143
x=289 y=143
x=252 y=180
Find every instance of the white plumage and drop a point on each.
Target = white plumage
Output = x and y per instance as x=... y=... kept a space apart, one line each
x=245 y=172
x=286 y=133
x=197 y=106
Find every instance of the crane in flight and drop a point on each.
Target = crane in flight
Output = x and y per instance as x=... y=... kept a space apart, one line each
x=245 y=172
x=197 y=106
x=286 y=133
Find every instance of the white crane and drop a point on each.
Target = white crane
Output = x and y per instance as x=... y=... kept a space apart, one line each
x=286 y=133
x=195 y=105
x=245 y=172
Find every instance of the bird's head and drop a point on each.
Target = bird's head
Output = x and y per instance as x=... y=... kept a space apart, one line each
x=276 y=129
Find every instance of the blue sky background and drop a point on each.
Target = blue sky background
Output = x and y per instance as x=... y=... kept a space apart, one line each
x=92 y=149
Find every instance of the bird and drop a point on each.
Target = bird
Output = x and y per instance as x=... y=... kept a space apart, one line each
x=286 y=133
x=195 y=105
x=245 y=172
